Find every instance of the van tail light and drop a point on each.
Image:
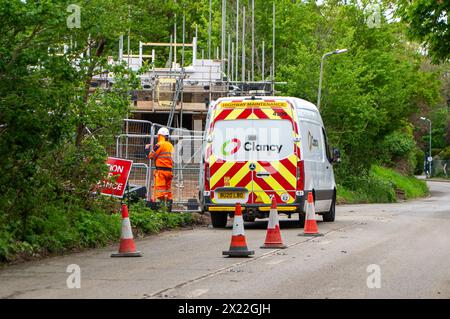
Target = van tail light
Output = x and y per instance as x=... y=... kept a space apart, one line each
x=206 y=170
x=300 y=175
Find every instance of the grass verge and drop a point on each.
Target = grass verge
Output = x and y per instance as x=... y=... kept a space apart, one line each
x=59 y=230
x=381 y=186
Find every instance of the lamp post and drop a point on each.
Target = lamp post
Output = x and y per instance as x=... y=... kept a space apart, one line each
x=321 y=72
x=429 y=159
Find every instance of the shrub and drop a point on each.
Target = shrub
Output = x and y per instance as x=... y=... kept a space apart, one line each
x=398 y=150
x=420 y=159
x=60 y=227
x=149 y=221
x=398 y=144
x=445 y=153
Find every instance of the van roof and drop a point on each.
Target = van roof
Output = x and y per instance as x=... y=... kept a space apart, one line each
x=297 y=102
x=305 y=109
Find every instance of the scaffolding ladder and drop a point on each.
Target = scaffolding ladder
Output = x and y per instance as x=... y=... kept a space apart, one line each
x=176 y=97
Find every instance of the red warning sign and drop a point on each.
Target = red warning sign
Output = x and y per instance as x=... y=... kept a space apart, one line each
x=120 y=170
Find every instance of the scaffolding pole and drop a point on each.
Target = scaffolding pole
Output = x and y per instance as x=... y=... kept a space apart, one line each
x=237 y=41
x=224 y=18
x=209 y=30
x=262 y=63
x=182 y=73
x=232 y=61
x=273 y=49
x=229 y=58
x=243 y=45
x=253 y=40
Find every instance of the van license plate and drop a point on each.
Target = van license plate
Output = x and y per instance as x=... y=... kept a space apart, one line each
x=231 y=195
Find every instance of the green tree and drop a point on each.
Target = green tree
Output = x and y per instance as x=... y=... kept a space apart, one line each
x=369 y=92
x=55 y=132
x=428 y=22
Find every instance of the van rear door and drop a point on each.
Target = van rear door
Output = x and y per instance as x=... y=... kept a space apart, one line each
x=275 y=159
x=253 y=153
x=230 y=174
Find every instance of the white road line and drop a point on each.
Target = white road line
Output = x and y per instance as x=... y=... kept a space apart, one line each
x=197 y=293
x=275 y=262
x=227 y=268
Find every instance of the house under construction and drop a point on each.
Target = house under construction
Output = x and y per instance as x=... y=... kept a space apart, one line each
x=179 y=94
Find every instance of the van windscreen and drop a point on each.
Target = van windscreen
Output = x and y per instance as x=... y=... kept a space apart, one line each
x=243 y=140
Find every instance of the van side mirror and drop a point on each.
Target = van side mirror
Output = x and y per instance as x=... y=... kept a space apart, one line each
x=336 y=156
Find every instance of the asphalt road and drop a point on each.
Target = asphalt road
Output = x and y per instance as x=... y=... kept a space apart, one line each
x=403 y=248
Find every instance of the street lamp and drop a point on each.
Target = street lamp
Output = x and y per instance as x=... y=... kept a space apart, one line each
x=429 y=159
x=339 y=51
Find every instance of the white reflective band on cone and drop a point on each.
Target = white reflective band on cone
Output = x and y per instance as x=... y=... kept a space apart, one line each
x=126 y=229
x=238 y=226
x=311 y=211
x=273 y=221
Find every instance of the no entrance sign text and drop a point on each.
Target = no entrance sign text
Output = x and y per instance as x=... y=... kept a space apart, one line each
x=119 y=171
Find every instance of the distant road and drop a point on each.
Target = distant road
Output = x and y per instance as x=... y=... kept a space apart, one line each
x=409 y=243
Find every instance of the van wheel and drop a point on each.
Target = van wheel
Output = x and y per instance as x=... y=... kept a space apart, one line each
x=301 y=219
x=219 y=219
x=330 y=216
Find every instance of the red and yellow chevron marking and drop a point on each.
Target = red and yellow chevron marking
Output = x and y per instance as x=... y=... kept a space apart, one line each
x=237 y=173
x=282 y=174
x=253 y=110
x=282 y=177
x=265 y=197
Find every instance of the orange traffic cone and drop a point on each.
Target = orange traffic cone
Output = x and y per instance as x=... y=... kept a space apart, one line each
x=310 y=228
x=127 y=247
x=273 y=237
x=238 y=246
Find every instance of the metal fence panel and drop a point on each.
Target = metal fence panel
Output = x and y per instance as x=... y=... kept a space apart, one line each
x=187 y=155
x=440 y=168
x=139 y=175
x=139 y=127
x=132 y=147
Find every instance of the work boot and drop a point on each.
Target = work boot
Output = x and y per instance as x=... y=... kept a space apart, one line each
x=166 y=205
x=169 y=205
x=152 y=205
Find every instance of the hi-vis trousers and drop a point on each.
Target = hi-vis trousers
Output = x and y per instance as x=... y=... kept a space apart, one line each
x=162 y=185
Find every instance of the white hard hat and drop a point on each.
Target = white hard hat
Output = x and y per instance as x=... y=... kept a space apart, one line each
x=163 y=131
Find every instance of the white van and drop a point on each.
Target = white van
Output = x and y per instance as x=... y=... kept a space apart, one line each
x=256 y=148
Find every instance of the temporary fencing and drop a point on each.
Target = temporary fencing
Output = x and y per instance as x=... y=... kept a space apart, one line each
x=441 y=168
x=187 y=154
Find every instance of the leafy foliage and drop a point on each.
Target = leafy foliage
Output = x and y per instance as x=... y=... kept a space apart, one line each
x=58 y=229
x=398 y=144
x=420 y=159
x=428 y=23
x=149 y=221
x=54 y=130
x=445 y=154
x=369 y=92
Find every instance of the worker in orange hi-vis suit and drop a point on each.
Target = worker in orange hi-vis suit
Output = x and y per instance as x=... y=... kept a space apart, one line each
x=162 y=155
